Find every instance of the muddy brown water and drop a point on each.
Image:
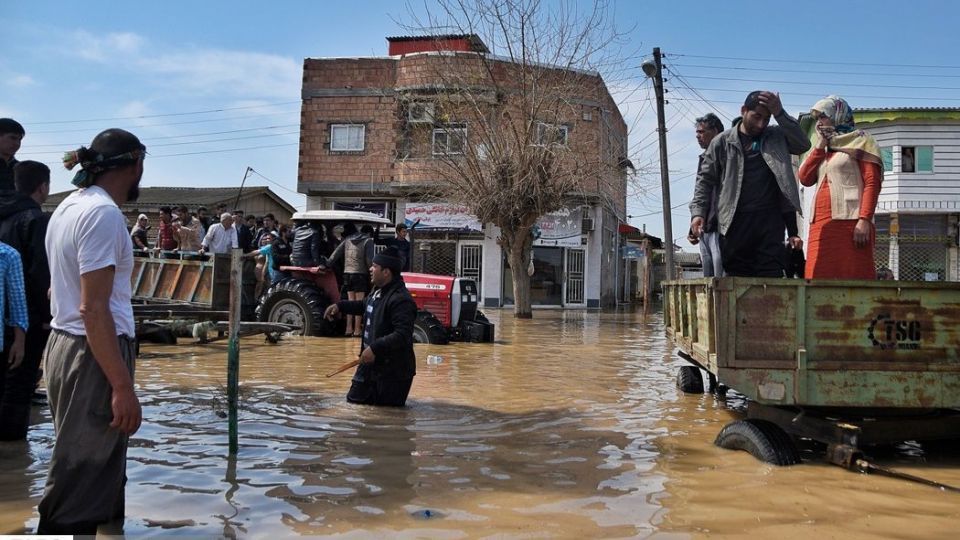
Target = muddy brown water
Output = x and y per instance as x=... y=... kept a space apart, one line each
x=569 y=426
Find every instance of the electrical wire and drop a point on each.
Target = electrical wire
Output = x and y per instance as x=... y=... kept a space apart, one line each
x=68 y=145
x=204 y=121
x=163 y=115
x=819 y=71
x=817 y=62
x=187 y=142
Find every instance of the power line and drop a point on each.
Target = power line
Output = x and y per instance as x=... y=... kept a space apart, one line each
x=805 y=83
x=190 y=142
x=204 y=121
x=924 y=98
x=152 y=156
x=68 y=145
x=817 y=62
x=164 y=115
x=274 y=182
x=818 y=71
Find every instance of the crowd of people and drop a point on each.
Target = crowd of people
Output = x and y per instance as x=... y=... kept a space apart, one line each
x=65 y=299
x=746 y=201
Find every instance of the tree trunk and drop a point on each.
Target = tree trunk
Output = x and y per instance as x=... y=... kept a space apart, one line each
x=519 y=245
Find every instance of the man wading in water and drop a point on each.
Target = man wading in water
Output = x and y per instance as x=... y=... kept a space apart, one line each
x=387 y=361
x=89 y=360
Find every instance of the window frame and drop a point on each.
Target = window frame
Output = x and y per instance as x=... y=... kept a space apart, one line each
x=348 y=125
x=446 y=130
x=543 y=127
x=916 y=158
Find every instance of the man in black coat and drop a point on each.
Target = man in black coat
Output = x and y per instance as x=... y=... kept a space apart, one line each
x=387 y=361
x=23 y=227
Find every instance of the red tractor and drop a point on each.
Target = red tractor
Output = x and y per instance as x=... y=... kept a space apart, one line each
x=447 y=304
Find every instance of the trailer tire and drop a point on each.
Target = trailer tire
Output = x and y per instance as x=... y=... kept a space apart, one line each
x=427 y=329
x=690 y=380
x=762 y=439
x=295 y=301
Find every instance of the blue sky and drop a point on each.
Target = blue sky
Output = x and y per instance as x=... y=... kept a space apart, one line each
x=71 y=69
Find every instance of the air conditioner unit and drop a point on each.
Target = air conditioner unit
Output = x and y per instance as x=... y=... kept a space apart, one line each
x=587 y=224
x=420 y=113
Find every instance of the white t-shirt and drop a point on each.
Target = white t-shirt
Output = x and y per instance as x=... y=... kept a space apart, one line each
x=88 y=232
x=220 y=240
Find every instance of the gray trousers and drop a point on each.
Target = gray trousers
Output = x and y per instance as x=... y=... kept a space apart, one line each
x=710 y=254
x=85 y=483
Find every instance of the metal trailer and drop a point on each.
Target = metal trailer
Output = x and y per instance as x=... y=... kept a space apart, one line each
x=847 y=363
x=172 y=294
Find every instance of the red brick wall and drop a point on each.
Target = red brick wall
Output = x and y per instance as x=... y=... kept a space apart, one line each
x=603 y=136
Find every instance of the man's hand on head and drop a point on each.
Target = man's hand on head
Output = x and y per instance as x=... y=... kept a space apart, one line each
x=771 y=101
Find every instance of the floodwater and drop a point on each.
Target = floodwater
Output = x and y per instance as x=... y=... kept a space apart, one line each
x=569 y=426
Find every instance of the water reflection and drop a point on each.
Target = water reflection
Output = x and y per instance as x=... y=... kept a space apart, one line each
x=569 y=426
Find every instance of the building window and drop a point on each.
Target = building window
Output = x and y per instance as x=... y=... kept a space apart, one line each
x=886 y=154
x=347 y=137
x=548 y=134
x=449 y=140
x=916 y=159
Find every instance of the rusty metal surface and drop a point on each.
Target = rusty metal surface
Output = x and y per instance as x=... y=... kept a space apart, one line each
x=823 y=343
x=181 y=281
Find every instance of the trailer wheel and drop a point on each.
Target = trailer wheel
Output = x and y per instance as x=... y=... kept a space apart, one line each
x=689 y=380
x=427 y=329
x=297 y=302
x=762 y=439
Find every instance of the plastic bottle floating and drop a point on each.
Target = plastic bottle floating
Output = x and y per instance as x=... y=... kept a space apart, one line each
x=434 y=359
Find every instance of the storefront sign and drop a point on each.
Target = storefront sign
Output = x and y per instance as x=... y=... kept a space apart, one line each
x=378 y=208
x=441 y=216
x=561 y=228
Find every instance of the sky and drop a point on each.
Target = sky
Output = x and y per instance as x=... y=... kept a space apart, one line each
x=213 y=87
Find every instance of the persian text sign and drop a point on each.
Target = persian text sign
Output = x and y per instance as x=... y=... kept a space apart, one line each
x=561 y=228
x=441 y=216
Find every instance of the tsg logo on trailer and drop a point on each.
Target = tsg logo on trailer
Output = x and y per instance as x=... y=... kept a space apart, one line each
x=890 y=334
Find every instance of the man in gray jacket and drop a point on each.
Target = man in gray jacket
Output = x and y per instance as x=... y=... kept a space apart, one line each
x=750 y=166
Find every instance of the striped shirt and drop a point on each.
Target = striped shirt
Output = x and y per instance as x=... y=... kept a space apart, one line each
x=13 y=309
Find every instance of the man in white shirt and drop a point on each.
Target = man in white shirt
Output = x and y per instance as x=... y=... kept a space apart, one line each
x=221 y=237
x=89 y=359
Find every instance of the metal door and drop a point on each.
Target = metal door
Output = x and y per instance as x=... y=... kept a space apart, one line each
x=470 y=262
x=575 y=282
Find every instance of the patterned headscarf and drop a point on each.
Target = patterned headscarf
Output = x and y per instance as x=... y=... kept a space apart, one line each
x=93 y=163
x=836 y=109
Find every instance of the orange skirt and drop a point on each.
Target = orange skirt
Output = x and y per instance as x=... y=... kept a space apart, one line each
x=831 y=253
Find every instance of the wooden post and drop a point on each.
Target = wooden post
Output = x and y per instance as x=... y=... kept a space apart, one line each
x=233 y=348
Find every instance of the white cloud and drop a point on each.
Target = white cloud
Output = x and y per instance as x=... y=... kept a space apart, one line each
x=193 y=70
x=20 y=81
x=105 y=48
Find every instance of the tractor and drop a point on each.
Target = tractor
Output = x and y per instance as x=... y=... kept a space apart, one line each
x=446 y=305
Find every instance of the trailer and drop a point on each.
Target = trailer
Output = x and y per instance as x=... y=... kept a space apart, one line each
x=848 y=363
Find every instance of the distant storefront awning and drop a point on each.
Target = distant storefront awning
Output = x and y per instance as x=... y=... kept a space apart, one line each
x=625 y=228
x=561 y=228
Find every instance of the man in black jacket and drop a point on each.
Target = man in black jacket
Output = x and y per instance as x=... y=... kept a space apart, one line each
x=23 y=227
x=387 y=361
x=11 y=133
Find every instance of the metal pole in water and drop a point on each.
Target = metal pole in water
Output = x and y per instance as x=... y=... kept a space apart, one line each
x=233 y=348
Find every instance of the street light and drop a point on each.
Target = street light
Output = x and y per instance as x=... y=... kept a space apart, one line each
x=654 y=70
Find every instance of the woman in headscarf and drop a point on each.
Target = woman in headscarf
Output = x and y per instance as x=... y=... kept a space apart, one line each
x=847 y=169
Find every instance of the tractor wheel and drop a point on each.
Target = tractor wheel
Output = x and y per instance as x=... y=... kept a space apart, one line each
x=762 y=439
x=690 y=380
x=427 y=329
x=296 y=302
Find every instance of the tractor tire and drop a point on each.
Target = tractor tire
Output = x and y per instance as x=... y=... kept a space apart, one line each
x=762 y=439
x=690 y=380
x=297 y=302
x=427 y=329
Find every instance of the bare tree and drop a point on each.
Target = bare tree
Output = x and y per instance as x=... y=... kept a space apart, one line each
x=525 y=127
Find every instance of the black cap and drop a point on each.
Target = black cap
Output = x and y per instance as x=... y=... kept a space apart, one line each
x=389 y=258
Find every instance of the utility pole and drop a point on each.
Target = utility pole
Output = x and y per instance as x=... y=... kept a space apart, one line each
x=654 y=70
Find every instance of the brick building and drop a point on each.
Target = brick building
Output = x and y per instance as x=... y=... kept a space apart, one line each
x=373 y=128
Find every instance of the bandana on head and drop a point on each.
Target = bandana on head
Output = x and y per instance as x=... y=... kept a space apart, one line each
x=93 y=163
x=837 y=109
